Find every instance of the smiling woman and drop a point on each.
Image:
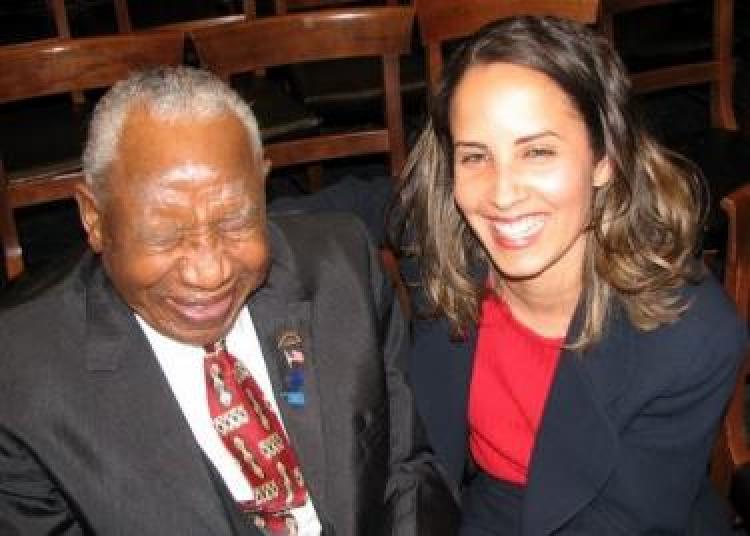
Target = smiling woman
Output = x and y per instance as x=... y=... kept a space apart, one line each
x=581 y=356
x=524 y=180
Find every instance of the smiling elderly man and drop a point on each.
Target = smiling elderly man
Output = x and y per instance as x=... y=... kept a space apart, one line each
x=205 y=371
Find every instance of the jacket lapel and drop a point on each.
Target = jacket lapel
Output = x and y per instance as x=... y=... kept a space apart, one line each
x=279 y=309
x=576 y=445
x=145 y=438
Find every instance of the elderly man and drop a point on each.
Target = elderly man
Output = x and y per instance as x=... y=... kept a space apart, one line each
x=205 y=371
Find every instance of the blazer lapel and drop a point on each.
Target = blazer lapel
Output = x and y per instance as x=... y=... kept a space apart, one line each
x=145 y=437
x=279 y=310
x=576 y=445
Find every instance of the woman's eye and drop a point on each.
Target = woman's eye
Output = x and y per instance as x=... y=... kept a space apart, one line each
x=539 y=152
x=471 y=158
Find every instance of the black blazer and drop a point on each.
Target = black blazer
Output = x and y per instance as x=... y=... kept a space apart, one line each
x=625 y=437
x=93 y=441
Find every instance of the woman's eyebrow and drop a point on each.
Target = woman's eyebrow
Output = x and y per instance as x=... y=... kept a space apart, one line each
x=536 y=136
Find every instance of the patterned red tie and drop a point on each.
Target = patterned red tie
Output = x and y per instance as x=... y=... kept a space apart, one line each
x=251 y=431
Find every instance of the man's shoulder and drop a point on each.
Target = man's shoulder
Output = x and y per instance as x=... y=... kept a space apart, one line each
x=322 y=252
x=33 y=307
x=337 y=238
x=308 y=229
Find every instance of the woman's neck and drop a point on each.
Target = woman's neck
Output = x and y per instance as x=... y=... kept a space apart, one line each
x=546 y=310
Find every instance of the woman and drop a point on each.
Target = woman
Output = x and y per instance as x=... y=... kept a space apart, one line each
x=566 y=338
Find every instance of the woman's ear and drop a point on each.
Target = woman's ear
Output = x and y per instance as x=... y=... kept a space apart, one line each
x=266 y=168
x=90 y=214
x=602 y=172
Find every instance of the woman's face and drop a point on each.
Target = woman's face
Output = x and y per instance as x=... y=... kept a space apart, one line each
x=524 y=172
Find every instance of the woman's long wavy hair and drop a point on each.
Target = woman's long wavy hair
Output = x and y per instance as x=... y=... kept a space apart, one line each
x=644 y=220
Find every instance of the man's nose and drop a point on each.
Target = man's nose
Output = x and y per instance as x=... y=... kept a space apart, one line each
x=205 y=263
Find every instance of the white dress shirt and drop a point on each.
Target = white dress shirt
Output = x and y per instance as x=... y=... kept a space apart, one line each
x=183 y=367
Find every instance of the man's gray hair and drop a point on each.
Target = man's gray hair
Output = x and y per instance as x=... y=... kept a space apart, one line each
x=169 y=93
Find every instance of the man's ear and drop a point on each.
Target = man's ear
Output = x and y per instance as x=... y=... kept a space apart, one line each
x=91 y=215
x=266 y=168
x=602 y=172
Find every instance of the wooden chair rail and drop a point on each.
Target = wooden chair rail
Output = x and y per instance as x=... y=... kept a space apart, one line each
x=42 y=189
x=61 y=65
x=329 y=34
x=327 y=147
x=446 y=20
x=8 y=232
x=737 y=280
x=188 y=26
x=674 y=76
x=443 y=20
x=732 y=449
x=734 y=423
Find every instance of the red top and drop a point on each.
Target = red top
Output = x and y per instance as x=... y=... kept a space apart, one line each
x=513 y=370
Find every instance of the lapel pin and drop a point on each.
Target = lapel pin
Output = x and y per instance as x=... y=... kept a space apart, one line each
x=291 y=346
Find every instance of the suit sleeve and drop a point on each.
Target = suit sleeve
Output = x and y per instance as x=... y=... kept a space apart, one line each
x=418 y=501
x=30 y=502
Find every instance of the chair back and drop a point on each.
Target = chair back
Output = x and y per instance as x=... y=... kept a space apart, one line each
x=737 y=275
x=718 y=70
x=56 y=66
x=60 y=65
x=732 y=449
x=445 y=20
x=383 y=32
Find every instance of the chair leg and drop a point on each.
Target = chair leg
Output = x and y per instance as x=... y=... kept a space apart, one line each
x=722 y=108
x=8 y=233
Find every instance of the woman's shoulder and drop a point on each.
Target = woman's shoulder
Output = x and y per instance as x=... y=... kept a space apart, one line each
x=709 y=330
x=708 y=308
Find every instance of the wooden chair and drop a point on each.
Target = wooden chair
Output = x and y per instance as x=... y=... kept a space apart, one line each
x=279 y=113
x=717 y=70
x=737 y=270
x=383 y=32
x=668 y=64
x=59 y=66
x=730 y=463
x=441 y=21
x=348 y=92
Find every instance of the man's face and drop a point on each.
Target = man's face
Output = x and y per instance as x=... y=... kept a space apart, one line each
x=181 y=225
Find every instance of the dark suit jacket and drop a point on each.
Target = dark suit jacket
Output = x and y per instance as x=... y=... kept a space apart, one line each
x=627 y=429
x=93 y=441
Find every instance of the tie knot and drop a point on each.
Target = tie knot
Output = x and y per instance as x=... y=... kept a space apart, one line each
x=215 y=348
